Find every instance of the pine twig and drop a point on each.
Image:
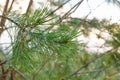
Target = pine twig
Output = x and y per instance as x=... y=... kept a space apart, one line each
x=5 y=17
x=57 y=8
x=13 y=74
x=42 y=66
x=70 y=11
x=3 y=20
x=87 y=64
x=21 y=74
x=11 y=6
x=29 y=6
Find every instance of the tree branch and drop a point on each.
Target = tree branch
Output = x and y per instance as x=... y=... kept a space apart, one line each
x=57 y=8
x=11 y=6
x=42 y=66
x=87 y=64
x=2 y=23
x=29 y=6
x=70 y=11
x=9 y=20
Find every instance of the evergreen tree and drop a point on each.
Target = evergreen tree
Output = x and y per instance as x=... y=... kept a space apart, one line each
x=44 y=47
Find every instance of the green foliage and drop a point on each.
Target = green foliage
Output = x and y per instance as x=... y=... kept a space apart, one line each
x=43 y=48
x=36 y=45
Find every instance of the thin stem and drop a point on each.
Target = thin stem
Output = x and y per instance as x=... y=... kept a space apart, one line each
x=29 y=6
x=87 y=64
x=21 y=74
x=42 y=66
x=57 y=8
x=69 y=12
x=2 y=23
x=13 y=74
x=11 y=6
x=9 y=20
x=3 y=20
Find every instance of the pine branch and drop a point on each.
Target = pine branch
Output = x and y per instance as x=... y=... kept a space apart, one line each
x=2 y=23
x=21 y=74
x=2 y=62
x=3 y=20
x=29 y=6
x=57 y=9
x=13 y=74
x=42 y=66
x=5 y=17
x=11 y=6
x=87 y=64
x=70 y=11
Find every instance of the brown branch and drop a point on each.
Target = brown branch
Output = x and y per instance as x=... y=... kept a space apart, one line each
x=5 y=17
x=84 y=20
x=87 y=64
x=11 y=5
x=29 y=6
x=2 y=23
x=13 y=74
x=92 y=71
x=21 y=74
x=42 y=66
x=69 y=12
x=2 y=62
x=98 y=72
x=4 y=28
x=4 y=72
x=57 y=8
